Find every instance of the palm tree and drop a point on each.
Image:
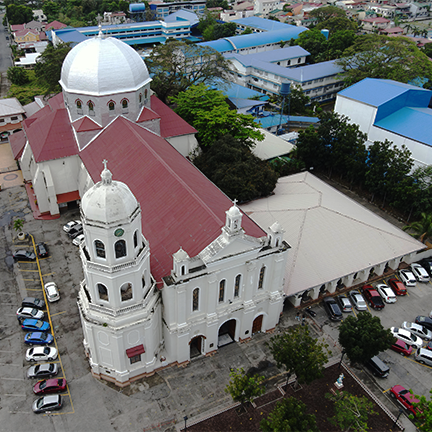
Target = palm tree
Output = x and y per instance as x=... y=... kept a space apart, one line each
x=422 y=228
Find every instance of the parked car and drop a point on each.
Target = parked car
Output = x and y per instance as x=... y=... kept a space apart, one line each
x=23 y=255
x=42 y=250
x=386 y=293
x=407 y=337
x=378 y=367
x=404 y=397
x=344 y=303
x=372 y=297
x=407 y=278
x=418 y=330
x=52 y=385
x=26 y=312
x=357 y=300
x=41 y=353
x=397 y=286
x=428 y=346
x=424 y=321
x=38 y=338
x=52 y=292
x=401 y=347
x=43 y=370
x=426 y=263
x=78 y=239
x=30 y=324
x=424 y=356
x=332 y=309
x=33 y=302
x=75 y=231
x=420 y=273
x=70 y=225
x=47 y=403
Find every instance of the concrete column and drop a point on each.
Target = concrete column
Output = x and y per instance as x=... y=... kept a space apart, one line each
x=348 y=280
x=212 y=293
x=250 y=281
x=379 y=269
x=295 y=299
x=314 y=293
x=331 y=286
x=394 y=263
x=363 y=275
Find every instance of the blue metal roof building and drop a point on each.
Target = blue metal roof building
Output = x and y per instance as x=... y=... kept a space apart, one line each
x=258 y=24
x=386 y=109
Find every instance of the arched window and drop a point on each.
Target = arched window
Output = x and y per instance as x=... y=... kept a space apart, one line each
x=182 y=270
x=140 y=98
x=79 y=105
x=261 y=278
x=126 y=291
x=124 y=103
x=221 y=290
x=103 y=292
x=135 y=238
x=143 y=280
x=100 y=249
x=195 y=299
x=120 y=248
x=237 y=285
x=145 y=93
x=91 y=107
x=111 y=106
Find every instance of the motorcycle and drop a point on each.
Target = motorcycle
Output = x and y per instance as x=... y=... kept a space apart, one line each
x=311 y=312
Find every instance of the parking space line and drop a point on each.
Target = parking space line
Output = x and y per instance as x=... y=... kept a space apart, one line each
x=30 y=280
x=28 y=271
x=49 y=274
x=385 y=391
x=58 y=313
x=14 y=395
x=13 y=379
x=421 y=364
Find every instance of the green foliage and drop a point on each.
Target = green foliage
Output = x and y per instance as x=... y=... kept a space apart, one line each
x=217 y=3
x=427 y=49
x=313 y=41
x=285 y=167
x=18 y=225
x=300 y=353
x=351 y=412
x=48 y=67
x=327 y=12
x=18 y=14
x=423 y=422
x=273 y=18
x=247 y=30
x=376 y=56
x=363 y=337
x=338 y=23
x=177 y=66
x=240 y=174
x=26 y=93
x=209 y=113
x=422 y=229
x=17 y=75
x=289 y=415
x=244 y=388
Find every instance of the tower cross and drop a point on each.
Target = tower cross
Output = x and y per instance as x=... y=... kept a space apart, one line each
x=105 y=163
x=235 y=202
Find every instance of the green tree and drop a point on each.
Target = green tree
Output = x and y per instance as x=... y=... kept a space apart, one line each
x=338 y=42
x=338 y=23
x=17 y=75
x=422 y=185
x=427 y=49
x=235 y=170
x=244 y=388
x=273 y=18
x=363 y=337
x=209 y=113
x=18 y=14
x=289 y=415
x=324 y=13
x=313 y=41
x=247 y=30
x=217 y=3
x=176 y=66
x=423 y=422
x=300 y=353
x=376 y=56
x=351 y=412
x=48 y=66
x=422 y=229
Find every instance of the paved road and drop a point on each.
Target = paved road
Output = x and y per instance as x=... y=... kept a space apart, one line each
x=5 y=52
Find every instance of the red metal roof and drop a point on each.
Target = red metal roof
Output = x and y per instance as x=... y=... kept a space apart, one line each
x=51 y=135
x=147 y=114
x=16 y=27
x=180 y=206
x=17 y=142
x=171 y=124
x=132 y=352
x=68 y=197
x=85 y=124
x=56 y=25
x=56 y=101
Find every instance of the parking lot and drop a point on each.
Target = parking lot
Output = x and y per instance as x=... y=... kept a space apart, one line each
x=161 y=401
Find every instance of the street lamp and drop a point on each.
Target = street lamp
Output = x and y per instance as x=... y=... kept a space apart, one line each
x=340 y=363
x=185 y=419
x=397 y=419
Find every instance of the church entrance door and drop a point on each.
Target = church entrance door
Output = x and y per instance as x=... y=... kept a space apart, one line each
x=227 y=333
x=257 y=324
x=196 y=346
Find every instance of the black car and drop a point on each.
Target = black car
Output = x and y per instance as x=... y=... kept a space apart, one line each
x=378 y=367
x=75 y=231
x=332 y=309
x=42 y=250
x=426 y=263
x=32 y=302
x=424 y=321
x=23 y=255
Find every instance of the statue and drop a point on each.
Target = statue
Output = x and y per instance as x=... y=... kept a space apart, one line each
x=339 y=382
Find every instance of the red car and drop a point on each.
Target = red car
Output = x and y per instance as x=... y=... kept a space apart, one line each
x=372 y=296
x=53 y=385
x=397 y=286
x=405 y=398
x=401 y=347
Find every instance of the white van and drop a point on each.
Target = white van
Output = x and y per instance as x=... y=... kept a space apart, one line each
x=52 y=292
x=424 y=356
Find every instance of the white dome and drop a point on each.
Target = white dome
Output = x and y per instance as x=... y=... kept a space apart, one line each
x=234 y=211
x=101 y=66
x=108 y=201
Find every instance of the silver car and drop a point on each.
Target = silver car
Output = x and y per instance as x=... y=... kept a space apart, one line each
x=420 y=273
x=28 y=312
x=43 y=370
x=386 y=293
x=47 y=404
x=418 y=330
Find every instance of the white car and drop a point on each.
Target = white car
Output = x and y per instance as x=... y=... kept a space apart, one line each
x=40 y=353
x=358 y=301
x=70 y=225
x=418 y=330
x=420 y=273
x=407 y=278
x=52 y=292
x=386 y=293
x=78 y=240
x=28 y=312
x=407 y=337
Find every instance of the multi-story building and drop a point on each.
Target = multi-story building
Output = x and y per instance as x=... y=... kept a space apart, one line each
x=163 y=9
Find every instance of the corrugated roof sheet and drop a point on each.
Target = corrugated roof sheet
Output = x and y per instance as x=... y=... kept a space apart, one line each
x=260 y=23
x=272 y=146
x=330 y=235
x=147 y=114
x=237 y=91
x=277 y=54
x=180 y=206
x=10 y=107
x=245 y=103
x=17 y=142
x=85 y=124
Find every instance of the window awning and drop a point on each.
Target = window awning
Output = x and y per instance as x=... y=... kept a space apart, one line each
x=132 y=352
x=67 y=197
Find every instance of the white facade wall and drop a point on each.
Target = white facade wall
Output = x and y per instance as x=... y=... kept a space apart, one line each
x=187 y=145
x=11 y=119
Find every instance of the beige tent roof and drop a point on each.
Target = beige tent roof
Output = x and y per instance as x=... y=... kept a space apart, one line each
x=272 y=146
x=330 y=235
